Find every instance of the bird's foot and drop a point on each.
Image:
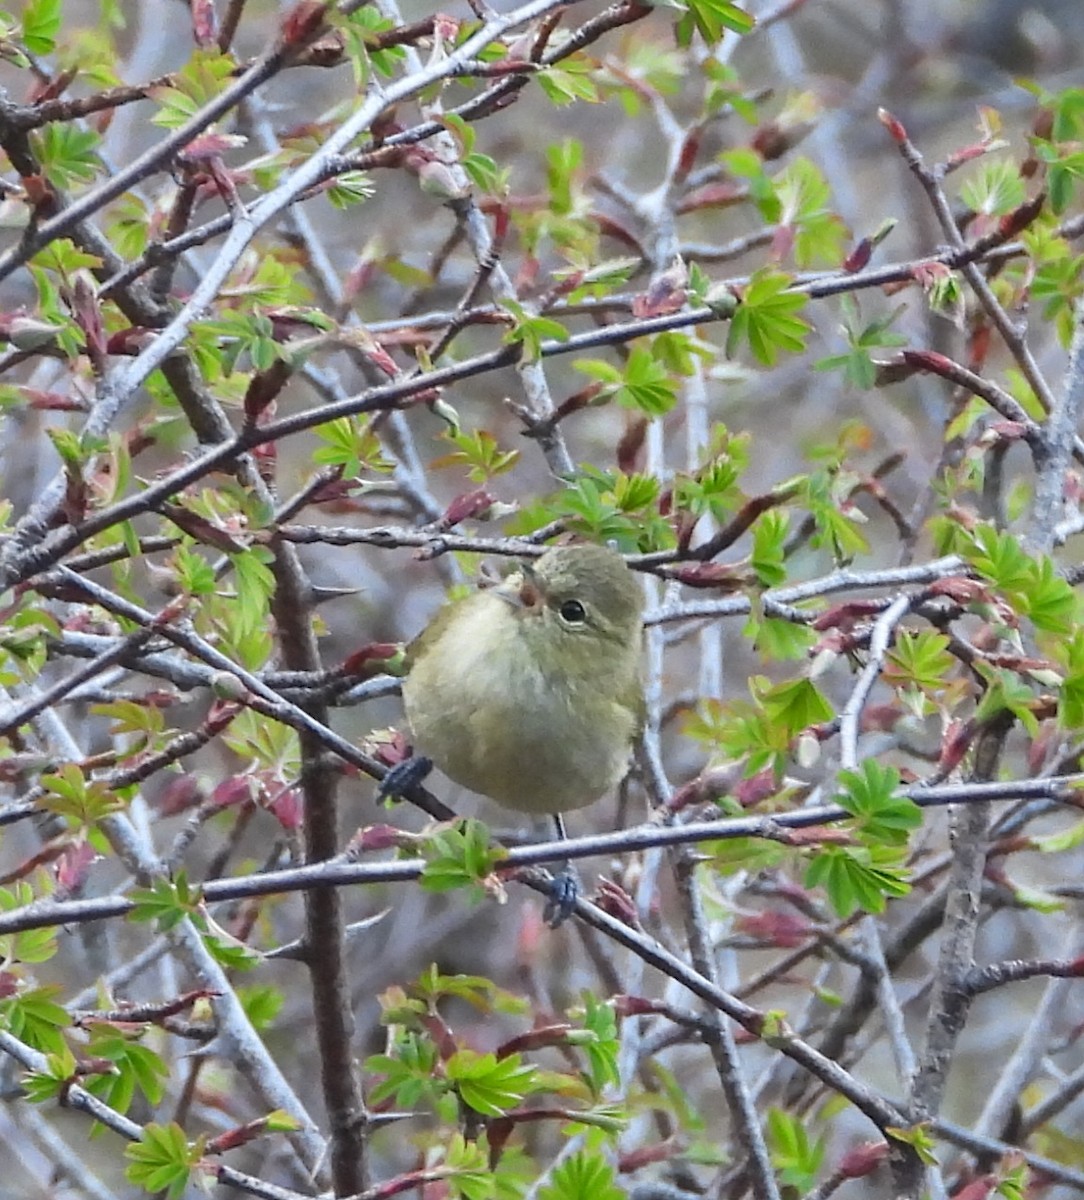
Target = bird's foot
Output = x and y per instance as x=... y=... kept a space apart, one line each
x=404 y=776
x=564 y=892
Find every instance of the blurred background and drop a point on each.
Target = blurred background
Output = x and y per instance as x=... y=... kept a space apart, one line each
x=820 y=74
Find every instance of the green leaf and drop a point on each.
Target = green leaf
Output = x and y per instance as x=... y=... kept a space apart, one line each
x=1065 y=168
x=999 y=558
x=794 y=1156
x=779 y=640
x=195 y=576
x=357 y=30
x=744 y=854
x=249 y=643
x=857 y=879
x=234 y=955
x=643 y=384
x=945 y=293
x=795 y=705
x=255 y=587
x=767 y=318
x=711 y=18
x=487 y=175
x=30 y=945
x=739 y=729
x=270 y=744
x=647 y=384
x=819 y=234
x=996 y=188
x=1049 y=601
x=350 y=189
x=1006 y=692
x=919 y=1138
x=491 y=1086
x=163 y=1159
x=472 y=1177
x=598 y=281
x=351 y=444
x=1015 y=1177
x=1058 y=843
x=870 y=794
x=531 y=330
x=478 y=451
x=206 y=74
x=599 y=1019
x=482 y=993
x=857 y=364
x=1036 y=899
x=768 y=558
x=583 y=1176
x=747 y=164
x=63 y=258
x=680 y=352
x=1071 y=700
x=1058 y=281
x=236 y=341
x=34 y=1017
x=571 y=81
x=82 y=802
x=24 y=643
x=137 y=1067
x=51 y=1083
x=714 y=489
x=409 y=1072
x=40 y=25
x=138 y=723
x=836 y=518
x=460 y=857
x=262 y=1003
x=919 y=660
x=635 y=493
x=129 y=223
x=168 y=902
x=563 y=160
x=612 y=507
x=68 y=153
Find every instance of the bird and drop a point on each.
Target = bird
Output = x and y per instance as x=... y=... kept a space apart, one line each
x=530 y=692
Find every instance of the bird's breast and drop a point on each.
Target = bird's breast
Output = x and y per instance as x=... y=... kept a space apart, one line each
x=495 y=714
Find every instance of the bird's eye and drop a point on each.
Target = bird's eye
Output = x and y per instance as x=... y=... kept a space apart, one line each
x=573 y=612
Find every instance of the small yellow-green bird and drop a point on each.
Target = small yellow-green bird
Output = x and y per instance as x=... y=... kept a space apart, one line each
x=530 y=692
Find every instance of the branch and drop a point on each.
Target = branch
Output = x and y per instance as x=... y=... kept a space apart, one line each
x=343 y=873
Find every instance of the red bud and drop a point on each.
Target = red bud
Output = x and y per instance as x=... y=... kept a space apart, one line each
x=635 y=1006
x=859 y=257
x=203 y=22
x=778 y=928
x=73 y=866
x=863 y=1160
x=366 y=660
x=303 y=21
x=466 y=506
x=710 y=575
x=895 y=127
x=617 y=902
x=237 y=789
x=288 y=809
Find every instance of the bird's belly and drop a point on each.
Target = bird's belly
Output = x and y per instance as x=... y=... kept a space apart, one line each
x=517 y=738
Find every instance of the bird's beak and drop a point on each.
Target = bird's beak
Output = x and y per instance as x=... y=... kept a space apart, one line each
x=521 y=590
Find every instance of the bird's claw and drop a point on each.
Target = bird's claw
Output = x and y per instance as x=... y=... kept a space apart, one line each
x=404 y=776
x=564 y=892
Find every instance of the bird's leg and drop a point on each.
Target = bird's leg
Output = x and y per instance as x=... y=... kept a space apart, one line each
x=404 y=776
x=564 y=886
